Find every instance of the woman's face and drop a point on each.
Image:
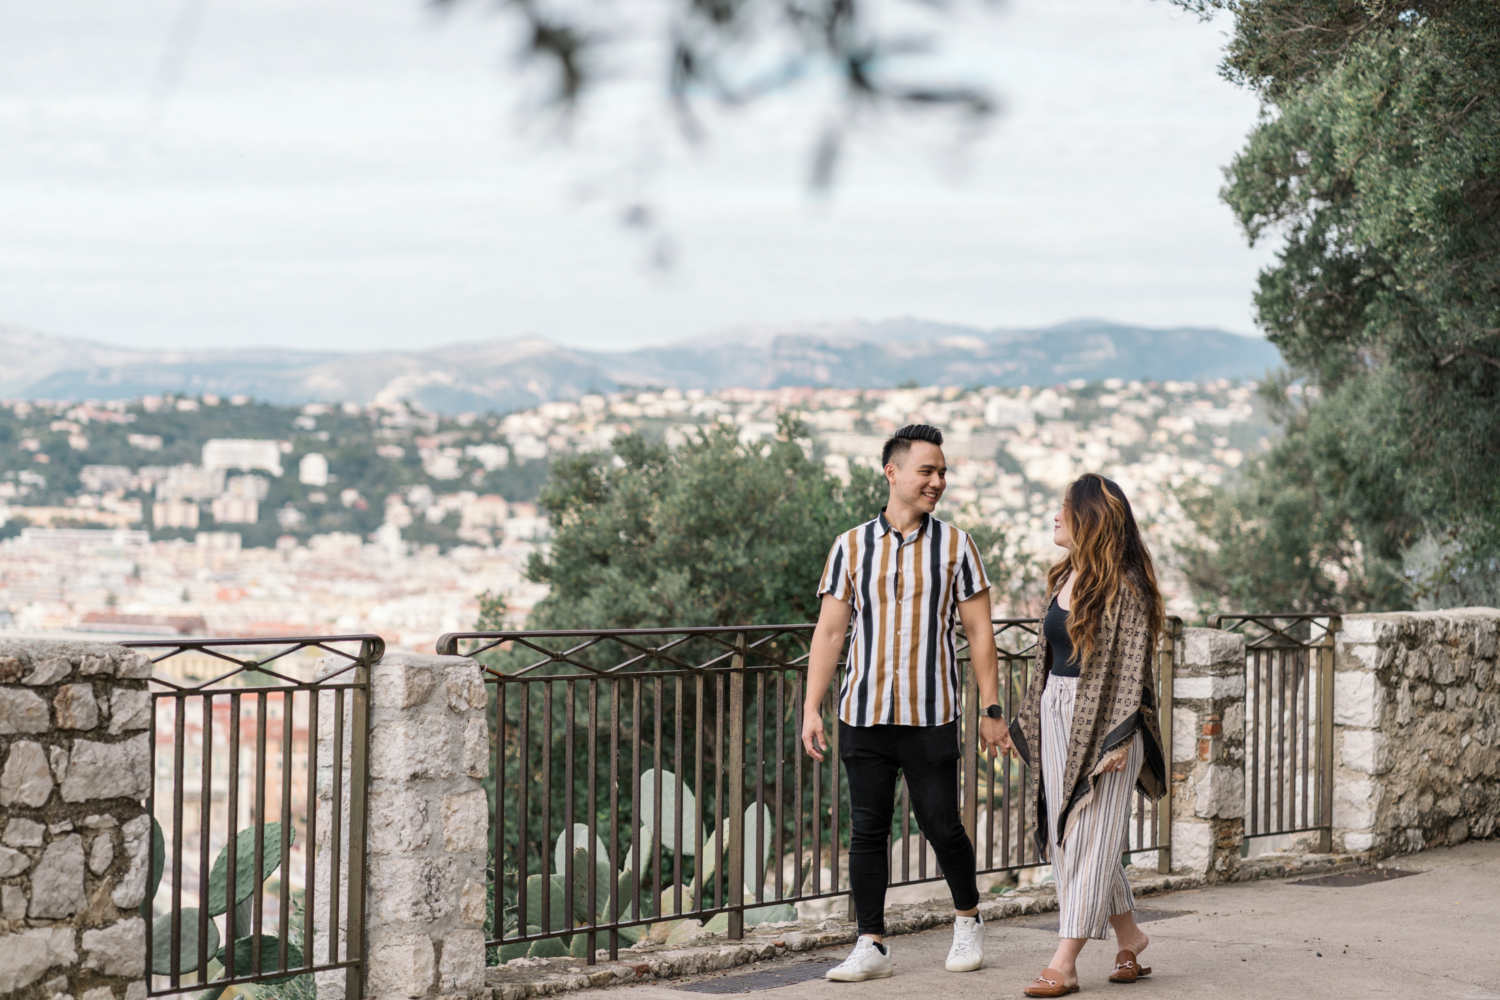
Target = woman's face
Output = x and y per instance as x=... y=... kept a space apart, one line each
x=1061 y=536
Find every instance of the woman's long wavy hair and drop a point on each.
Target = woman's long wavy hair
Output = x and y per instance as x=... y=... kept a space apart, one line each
x=1107 y=551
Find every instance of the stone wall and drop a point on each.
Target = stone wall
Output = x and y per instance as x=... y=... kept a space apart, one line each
x=428 y=828
x=1416 y=730
x=74 y=849
x=1208 y=751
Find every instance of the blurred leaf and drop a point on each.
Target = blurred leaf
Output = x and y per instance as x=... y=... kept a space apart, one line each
x=244 y=866
x=161 y=942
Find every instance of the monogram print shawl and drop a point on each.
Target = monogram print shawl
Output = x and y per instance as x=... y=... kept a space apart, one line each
x=1116 y=697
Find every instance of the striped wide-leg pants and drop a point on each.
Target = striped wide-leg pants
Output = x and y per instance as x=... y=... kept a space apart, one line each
x=1091 y=883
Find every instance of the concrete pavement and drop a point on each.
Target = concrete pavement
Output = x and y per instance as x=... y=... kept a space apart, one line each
x=1436 y=934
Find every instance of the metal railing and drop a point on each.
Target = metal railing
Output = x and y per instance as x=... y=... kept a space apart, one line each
x=251 y=883
x=623 y=761
x=1288 y=722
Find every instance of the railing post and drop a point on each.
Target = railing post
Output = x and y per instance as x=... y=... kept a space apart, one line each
x=1166 y=673
x=735 y=775
x=359 y=790
x=969 y=729
x=1325 y=651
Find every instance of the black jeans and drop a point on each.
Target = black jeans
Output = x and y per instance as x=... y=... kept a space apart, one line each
x=928 y=756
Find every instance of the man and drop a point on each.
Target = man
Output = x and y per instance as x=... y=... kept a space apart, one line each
x=904 y=577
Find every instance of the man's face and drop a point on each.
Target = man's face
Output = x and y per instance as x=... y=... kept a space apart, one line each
x=919 y=477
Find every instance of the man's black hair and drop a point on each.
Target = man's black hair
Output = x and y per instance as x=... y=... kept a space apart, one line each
x=899 y=443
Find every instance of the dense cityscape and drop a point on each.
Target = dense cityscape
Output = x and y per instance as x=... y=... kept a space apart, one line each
x=148 y=517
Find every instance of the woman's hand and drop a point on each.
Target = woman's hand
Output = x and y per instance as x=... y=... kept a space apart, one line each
x=1115 y=761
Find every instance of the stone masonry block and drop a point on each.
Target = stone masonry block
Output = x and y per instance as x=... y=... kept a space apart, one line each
x=25 y=780
x=131 y=889
x=1209 y=650
x=1364 y=750
x=12 y=862
x=21 y=832
x=26 y=956
x=397 y=682
x=414 y=748
x=1220 y=793
x=1209 y=688
x=129 y=709
x=57 y=884
x=12 y=903
x=476 y=754
x=472 y=903
x=1355 y=803
x=1184 y=733
x=10 y=669
x=406 y=890
x=1374 y=628
x=102 y=993
x=116 y=950
x=464 y=687
x=1192 y=846
x=48 y=671
x=462 y=967
x=108 y=770
x=102 y=853
x=401 y=967
x=92 y=665
x=398 y=822
x=75 y=707
x=133 y=665
x=1358 y=697
x=466 y=819
x=23 y=711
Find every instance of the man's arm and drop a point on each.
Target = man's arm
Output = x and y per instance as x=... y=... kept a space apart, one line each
x=975 y=614
x=822 y=661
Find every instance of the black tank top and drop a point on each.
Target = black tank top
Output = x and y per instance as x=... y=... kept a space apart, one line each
x=1055 y=631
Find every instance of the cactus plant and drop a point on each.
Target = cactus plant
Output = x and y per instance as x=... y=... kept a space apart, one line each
x=220 y=897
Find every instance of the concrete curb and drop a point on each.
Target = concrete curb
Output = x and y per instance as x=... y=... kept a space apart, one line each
x=544 y=977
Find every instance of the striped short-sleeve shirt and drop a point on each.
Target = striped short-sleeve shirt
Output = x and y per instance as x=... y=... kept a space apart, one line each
x=902 y=667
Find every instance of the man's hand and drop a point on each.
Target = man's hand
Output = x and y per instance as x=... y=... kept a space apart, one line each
x=814 y=741
x=1115 y=761
x=994 y=736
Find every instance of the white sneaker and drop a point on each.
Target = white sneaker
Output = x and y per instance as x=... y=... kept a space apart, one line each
x=866 y=961
x=967 y=953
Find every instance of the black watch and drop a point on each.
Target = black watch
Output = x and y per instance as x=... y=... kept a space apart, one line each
x=994 y=712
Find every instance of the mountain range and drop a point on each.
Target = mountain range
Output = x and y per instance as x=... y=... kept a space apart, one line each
x=512 y=374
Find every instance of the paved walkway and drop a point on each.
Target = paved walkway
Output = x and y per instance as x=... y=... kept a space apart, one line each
x=1433 y=935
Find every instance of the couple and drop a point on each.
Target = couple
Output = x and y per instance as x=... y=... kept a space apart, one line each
x=1087 y=726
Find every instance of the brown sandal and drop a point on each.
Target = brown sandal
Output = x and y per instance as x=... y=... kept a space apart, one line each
x=1049 y=983
x=1127 y=969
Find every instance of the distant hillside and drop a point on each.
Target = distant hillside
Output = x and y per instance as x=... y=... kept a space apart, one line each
x=512 y=374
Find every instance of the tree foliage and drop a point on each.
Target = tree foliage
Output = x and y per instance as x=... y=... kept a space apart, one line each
x=1375 y=162
x=715 y=532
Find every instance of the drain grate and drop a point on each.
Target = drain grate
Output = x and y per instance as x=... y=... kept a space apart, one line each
x=1048 y=921
x=1364 y=876
x=768 y=979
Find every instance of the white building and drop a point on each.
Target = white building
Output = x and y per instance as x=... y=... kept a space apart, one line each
x=242 y=453
x=313 y=470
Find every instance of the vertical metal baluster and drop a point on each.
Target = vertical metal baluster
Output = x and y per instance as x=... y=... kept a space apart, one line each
x=1307 y=724
x=336 y=867
x=798 y=753
x=736 y=780
x=760 y=786
x=905 y=829
x=721 y=818
x=614 y=819
x=523 y=806
x=231 y=860
x=309 y=878
x=657 y=828
x=179 y=723
x=1290 y=790
x=1281 y=744
x=698 y=859
x=1254 y=749
x=835 y=802
x=677 y=827
x=284 y=892
x=149 y=905
x=570 y=692
x=545 y=786
x=593 y=914
x=1008 y=695
x=205 y=827
x=359 y=791
x=498 y=817
x=637 y=823
x=778 y=844
x=257 y=899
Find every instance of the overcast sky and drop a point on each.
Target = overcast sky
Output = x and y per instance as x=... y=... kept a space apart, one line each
x=358 y=174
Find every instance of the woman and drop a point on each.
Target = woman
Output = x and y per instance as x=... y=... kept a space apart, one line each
x=1088 y=727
